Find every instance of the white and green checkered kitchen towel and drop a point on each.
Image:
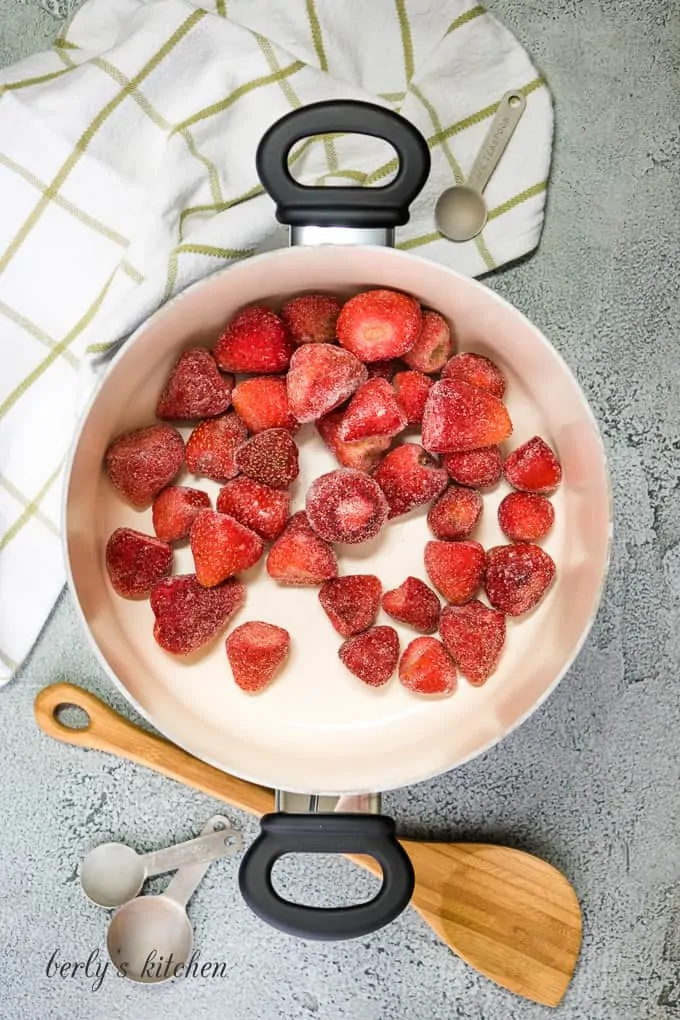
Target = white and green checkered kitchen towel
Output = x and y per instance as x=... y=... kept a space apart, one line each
x=127 y=172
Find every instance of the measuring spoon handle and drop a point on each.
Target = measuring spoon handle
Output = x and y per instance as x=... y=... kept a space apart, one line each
x=201 y=850
x=506 y=118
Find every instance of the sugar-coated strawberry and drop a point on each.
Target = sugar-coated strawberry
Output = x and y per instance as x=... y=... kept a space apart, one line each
x=195 y=388
x=259 y=507
x=262 y=403
x=478 y=469
x=372 y=411
x=474 y=636
x=143 y=462
x=413 y=603
x=455 y=514
x=426 y=667
x=320 y=378
x=351 y=603
x=300 y=557
x=256 y=651
x=221 y=547
x=517 y=577
x=362 y=456
x=456 y=569
x=434 y=345
x=134 y=562
x=379 y=324
x=212 y=446
x=533 y=467
x=385 y=369
x=409 y=477
x=174 y=510
x=311 y=318
x=372 y=656
x=346 y=506
x=189 y=616
x=525 y=517
x=270 y=458
x=476 y=370
x=459 y=416
x=412 y=389
x=256 y=340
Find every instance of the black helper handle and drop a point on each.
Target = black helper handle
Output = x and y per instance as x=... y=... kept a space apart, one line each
x=321 y=834
x=299 y=205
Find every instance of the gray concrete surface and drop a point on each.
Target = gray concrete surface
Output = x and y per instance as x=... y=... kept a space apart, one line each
x=590 y=782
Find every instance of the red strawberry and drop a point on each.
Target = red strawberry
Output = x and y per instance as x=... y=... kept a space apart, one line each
x=259 y=507
x=135 y=562
x=517 y=577
x=320 y=378
x=372 y=411
x=174 y=510
x=413 y=603
x=479 y=469
x=262 y=403
x=351 y=603
x=524 y=517
x=384 y=369
x=426 y=667
x=256 y=651
x=195 y=388
x=476 y=370
x=412 y=389
x=456 y=569
x=143 y=462
x=372 y=656
x=188 y=615
x=474 y=636
x=212 y=446
x=221 y=547
x=311 y=318
x=379 y=324
x=270 y=458
x=300 y=557
x=255 y=340
x=433 y=346
x=362 y=456
x=533 y=467
x=459 y=416
x=455 y=514
x=346 y=506
x=409 y=477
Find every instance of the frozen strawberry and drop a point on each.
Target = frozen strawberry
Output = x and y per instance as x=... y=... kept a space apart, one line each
x=517 y=577
x=434 y=345
x=455 y=514
x=300 y=557
x=412 y=389
x=456 y=569
x=188 y=616
x=259 y=507
x=362 y=456
x=256 y=340
x=212 y=446
x=379 y=324
x=311 y=318
x=351 y=603
x=256 y=651
x=143 y=462
x=474 y=636
x=372 y=656
x=413 y=603
x=426 y=667
x=533 y=467
x=195 y=388
x=459 y=416
x=372 y=411
x=320 y=378
x=384 y=369
x=409 y=477
x=478 y=469
x=476 y=370
x=135 y=562
x=524 y=517
x=262 y=403
x=270 y=458
x=221 y=547
x=346 y=506
x=174 y=510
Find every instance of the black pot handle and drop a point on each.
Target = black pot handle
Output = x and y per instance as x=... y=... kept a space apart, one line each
x=299 y=205
x=284 y=833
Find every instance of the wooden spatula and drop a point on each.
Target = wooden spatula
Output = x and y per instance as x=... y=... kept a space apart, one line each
x=508 y=914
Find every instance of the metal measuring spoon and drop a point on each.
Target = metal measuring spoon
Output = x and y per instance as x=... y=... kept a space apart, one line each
x=461 y=211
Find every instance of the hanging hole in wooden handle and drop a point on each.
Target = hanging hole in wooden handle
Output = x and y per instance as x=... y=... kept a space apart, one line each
x=71 y=717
